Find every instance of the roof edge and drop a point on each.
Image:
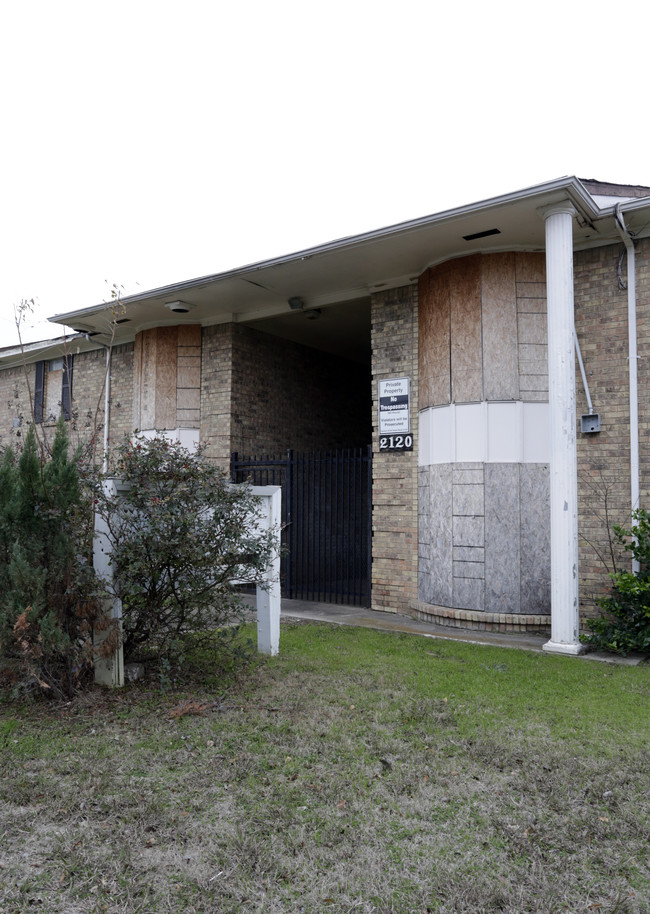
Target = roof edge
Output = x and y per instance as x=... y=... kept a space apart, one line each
x=609 y=189
x=28 y=353
x=573 y=187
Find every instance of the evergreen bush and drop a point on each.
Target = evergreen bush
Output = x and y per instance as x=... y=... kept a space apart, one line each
x=625 y=624
x=48 y=593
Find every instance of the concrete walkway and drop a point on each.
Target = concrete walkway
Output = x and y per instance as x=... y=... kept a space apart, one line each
x=392 y=622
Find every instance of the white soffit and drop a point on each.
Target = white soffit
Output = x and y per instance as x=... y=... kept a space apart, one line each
x=353 y=267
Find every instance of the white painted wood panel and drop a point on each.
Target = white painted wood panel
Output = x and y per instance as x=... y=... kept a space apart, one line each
x=512 y=432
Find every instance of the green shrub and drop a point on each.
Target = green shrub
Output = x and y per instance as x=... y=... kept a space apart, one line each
x=625 y=624
x=180 y=535
x=48 y=591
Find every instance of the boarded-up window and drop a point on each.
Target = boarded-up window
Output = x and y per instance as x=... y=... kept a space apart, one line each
x=53 y=390
x=66 y=387
x=39 y=391
x=53 y=384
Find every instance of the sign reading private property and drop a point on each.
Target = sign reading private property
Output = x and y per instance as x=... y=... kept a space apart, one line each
x=394 y=415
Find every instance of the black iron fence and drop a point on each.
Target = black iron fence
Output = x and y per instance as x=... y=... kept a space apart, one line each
x=327 y=520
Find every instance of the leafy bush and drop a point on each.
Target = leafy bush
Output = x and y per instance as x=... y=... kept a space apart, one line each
x=625 y=626
x=48 y=591
x=180 y=535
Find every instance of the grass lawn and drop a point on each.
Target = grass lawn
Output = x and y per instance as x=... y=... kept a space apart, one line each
x=360 y=771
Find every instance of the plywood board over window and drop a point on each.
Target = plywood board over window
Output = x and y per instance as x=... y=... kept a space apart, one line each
x=167 y=378
x=53 y=385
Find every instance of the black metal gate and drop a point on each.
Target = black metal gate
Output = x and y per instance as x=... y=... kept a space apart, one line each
x=327 y=520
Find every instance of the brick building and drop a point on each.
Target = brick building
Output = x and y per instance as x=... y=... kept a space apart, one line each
x=495 y=462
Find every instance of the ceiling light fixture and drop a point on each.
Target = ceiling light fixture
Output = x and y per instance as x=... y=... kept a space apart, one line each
x=179 y=307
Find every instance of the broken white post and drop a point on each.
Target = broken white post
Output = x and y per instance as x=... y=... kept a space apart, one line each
x=268 y=596
x=108 y=670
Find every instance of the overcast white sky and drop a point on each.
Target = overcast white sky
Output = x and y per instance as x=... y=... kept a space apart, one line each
x=145 y=143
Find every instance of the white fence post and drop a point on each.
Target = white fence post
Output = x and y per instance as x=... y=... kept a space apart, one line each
x=268 y=596
x=110 y=670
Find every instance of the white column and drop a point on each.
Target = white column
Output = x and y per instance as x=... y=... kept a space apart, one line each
x=562 y=401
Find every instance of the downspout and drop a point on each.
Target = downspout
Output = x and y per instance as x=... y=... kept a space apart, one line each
x=107 y=397
x=632 y=359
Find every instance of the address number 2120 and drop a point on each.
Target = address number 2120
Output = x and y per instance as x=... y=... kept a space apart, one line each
x=396 y=443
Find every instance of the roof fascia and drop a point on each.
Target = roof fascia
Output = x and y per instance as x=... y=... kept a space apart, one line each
x=628 y=206
x=631 y=207
x=29 y=353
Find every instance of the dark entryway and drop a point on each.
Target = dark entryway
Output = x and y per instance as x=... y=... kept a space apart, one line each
x=327 y=520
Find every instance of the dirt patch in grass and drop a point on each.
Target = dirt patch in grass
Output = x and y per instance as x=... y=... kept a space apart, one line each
x=354 y=773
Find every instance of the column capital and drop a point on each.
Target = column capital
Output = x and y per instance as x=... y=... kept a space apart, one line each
x=562 y=207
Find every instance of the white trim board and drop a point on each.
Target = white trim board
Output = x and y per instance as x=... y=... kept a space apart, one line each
x=485 y=432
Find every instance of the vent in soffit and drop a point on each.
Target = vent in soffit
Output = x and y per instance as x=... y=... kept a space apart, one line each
x=485 y=234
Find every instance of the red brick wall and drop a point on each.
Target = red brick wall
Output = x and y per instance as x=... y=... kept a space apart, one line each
x=285 y=395
x=14 y=404
x=394 y=316
x=216 y=380
x=604 y=458
x=89 y=373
